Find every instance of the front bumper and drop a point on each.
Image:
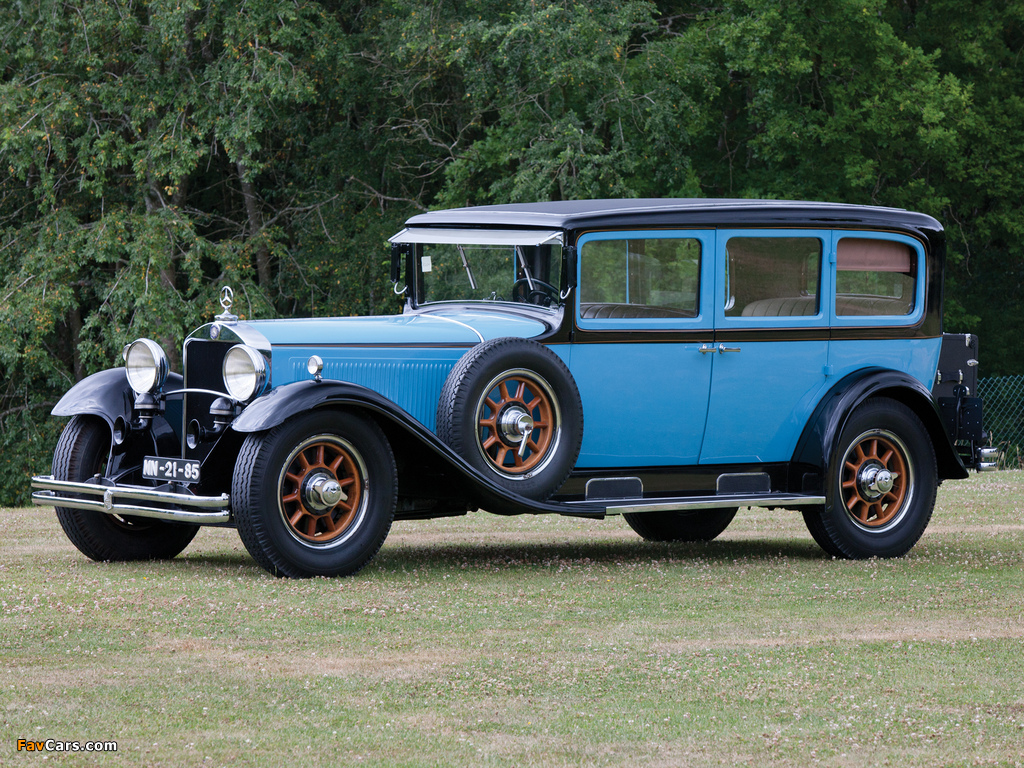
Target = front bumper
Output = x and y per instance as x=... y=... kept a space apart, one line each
x=170 y=502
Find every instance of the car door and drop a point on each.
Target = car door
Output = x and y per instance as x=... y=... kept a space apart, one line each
x=771 y=343
x=639 y=356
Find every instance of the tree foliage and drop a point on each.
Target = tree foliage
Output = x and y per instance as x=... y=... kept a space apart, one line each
x=156 y=149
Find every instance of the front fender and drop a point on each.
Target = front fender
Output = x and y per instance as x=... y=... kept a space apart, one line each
x=283 y=402
x=416 y=440
x=821 y=434
x=107 y=395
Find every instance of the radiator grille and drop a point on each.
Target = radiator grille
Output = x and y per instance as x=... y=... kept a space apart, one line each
x=202 y=362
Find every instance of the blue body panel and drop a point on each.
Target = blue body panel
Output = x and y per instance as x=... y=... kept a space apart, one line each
x=459 y=325
x=761 y=398
x=918 y=358
x=786 y=378
x=409 y=377
x=664 y=404
x=643 y=404
x=405 y=358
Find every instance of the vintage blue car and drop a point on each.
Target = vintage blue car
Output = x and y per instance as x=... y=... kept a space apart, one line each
x=667 y=360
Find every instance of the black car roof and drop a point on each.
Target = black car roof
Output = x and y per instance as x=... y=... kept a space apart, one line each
x=579 y=214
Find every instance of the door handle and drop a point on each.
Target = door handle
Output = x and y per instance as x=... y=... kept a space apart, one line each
x=720 y=349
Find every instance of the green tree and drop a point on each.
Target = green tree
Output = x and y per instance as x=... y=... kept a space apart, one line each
x=982 y=45
x=148 y=150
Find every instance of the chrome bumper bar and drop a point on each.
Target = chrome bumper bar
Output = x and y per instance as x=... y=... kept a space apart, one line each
x=686 y=503
x=143 y=502
x=988 y=459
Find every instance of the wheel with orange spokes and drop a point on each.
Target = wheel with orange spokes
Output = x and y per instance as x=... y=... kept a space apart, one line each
x=518 y=422
x=883 y=481
x=874 y=479
x=321 y=489
x=315 y=496
x=511 y=409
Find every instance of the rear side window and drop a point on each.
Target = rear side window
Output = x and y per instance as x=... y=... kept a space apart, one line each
x=640 y=278
x=772 y=276
x=874 y=277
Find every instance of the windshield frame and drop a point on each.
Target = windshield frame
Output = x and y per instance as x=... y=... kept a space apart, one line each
x=414 y=239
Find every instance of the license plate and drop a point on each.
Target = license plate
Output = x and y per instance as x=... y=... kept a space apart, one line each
x=172 y=470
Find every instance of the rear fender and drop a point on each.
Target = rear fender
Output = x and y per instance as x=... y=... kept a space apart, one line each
x=821 y=434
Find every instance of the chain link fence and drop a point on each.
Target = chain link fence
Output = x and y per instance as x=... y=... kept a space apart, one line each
x=1004 y=416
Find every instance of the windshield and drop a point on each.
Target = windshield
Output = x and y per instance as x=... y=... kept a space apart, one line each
x=487 y=272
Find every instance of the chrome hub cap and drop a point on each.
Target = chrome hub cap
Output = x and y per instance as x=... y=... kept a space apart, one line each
x=321 y=493
x=874 y=481
x=514 y=424
x=518 y=424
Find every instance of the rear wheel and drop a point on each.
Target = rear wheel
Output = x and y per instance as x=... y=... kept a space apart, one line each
x=81 y=454
x=315 y=496
x=693 y=525
x=882 y=483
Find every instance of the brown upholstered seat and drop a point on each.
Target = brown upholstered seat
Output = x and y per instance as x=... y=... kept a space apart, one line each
x=803 y=306
x=606 y=310
x=800 y=306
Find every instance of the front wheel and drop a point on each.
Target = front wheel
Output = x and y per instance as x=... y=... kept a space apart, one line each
x=81 y=454
x=882 y=483
x=316 y=495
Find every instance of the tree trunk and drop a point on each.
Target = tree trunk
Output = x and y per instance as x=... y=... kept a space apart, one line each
x=255 y=227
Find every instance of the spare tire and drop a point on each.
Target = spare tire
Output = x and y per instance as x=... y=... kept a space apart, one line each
x=511 y=409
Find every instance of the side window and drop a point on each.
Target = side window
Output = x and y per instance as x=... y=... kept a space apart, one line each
x=640 y=278
x=772 y=276
x=875 y=277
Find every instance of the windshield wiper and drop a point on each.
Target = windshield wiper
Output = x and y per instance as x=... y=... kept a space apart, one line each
x=526 y=269
x=465 y=263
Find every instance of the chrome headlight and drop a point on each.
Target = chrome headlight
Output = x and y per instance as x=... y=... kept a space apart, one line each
x=146 y=365
x=245 y=372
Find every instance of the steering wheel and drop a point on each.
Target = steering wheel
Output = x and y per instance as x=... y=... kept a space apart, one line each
x=545 y=293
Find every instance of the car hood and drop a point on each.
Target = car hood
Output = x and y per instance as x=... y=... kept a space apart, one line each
x=455 y=326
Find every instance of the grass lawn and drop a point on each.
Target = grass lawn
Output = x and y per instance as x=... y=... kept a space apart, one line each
x=529 y=642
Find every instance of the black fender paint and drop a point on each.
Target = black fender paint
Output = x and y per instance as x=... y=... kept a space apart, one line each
x=108 y=395
x=826 y=424
x=290 y=400
x=105 y=394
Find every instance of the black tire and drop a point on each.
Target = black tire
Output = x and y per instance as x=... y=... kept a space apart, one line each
x=484 y=422
x=287 y=527
x=81 y=453
x=814 y=523
x=882 y=482
x=693 y=525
